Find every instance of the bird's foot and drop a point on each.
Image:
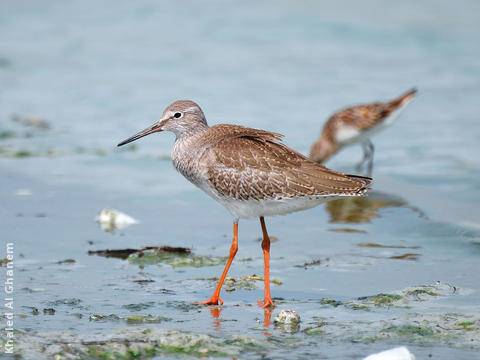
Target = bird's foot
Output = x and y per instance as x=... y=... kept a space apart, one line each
x=214 y=300
x=266 y=303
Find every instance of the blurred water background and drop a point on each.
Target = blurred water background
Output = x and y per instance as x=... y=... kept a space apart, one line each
x=98 y=72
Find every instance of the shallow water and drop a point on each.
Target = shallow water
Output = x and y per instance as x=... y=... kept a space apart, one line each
x=98 y=77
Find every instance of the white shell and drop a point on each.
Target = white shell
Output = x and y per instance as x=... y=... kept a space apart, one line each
x=399 y=353
x=111 y=219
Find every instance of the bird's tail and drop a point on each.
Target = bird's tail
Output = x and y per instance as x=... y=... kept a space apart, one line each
x=403 y=99
x=364 y=181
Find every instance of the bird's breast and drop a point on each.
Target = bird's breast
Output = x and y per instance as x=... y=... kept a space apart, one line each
x=186 y=159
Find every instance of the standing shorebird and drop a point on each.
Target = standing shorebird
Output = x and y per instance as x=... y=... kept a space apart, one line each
x=357 y=124
x=248 y=171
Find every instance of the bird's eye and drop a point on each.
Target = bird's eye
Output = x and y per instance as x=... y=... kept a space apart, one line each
x=177 y=115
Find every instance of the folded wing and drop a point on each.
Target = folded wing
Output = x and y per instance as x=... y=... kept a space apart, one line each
x=253 y=164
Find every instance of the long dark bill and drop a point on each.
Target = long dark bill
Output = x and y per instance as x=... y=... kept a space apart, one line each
x=150 y=130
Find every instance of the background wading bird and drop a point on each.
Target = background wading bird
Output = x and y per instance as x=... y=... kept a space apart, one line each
x=357 y=124
x=248 y=171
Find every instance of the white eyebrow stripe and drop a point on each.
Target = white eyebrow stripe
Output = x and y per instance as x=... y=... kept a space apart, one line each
x=171 y=113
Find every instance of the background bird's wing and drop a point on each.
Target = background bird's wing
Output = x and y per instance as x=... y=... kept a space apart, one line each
x=367 y=116
x=363 y=117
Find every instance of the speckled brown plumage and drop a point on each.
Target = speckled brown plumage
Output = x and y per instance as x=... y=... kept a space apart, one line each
x=246 y=164
x=367 y=116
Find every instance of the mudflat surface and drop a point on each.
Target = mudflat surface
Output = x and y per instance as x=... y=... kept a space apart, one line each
x=399 y=267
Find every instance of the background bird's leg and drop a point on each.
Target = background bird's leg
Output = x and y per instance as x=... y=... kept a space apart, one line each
x=358 y=167
x=233 y=250
x=371 y=150
x=368 y=150
x=267 y=301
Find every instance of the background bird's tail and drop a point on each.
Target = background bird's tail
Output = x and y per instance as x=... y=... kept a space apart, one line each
x=404 y=99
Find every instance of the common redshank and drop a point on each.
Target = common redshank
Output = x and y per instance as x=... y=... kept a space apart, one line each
x=357 y=124
x=250 y=172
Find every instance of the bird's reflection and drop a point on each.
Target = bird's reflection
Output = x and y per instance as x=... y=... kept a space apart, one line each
x=267 y=314
x=355 y=210
x=216 y=311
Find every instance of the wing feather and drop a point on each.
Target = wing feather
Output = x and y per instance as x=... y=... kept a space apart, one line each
x=248 y=163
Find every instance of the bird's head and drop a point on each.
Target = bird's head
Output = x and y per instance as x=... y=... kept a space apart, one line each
x=180 y=117
x=322 y=150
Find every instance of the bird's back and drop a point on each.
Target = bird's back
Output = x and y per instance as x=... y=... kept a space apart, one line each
x=250 y=164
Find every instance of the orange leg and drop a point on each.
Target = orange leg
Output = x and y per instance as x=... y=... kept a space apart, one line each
x=233 y=250
x=267 y=301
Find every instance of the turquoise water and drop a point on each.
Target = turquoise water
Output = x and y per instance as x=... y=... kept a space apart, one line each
x=98 y=73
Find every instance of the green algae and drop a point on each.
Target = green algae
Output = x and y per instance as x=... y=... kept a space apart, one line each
x=184 y=306
x=139 y=306
x=6 y=134
x=409 y=330
x=98 y=352
x=153 y=257
x=386 y=299
x=72 y=302
x=382 y=299
x=134 y=342
x=248 y=282
x=314 y=331
x=466 y=325
x=417 y=292
x=332 y=302
x=99 y=317
x=142 y=319
x=232 y=284
x=134 y=345
x=426 y=292
x=355 y=306
x=22 y=153
x=368 y=340
x=310 y=263
x=4 y=261
x=130 y=319
x=431 y=330
x=100 y=152
x=163 y=255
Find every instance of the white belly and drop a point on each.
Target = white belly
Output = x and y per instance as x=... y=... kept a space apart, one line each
x=255 y=208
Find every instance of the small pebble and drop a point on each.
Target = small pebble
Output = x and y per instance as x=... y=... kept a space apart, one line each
x=287 y=320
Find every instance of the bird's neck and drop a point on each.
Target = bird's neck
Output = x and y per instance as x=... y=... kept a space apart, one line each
x=191 y=132
x=322 y=150
x=187 y=141
x=186 y=153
